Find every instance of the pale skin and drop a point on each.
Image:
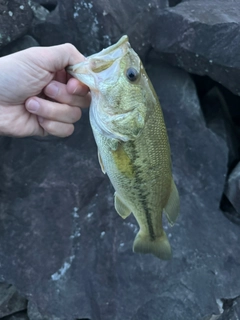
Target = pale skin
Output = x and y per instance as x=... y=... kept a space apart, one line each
x=37 y=96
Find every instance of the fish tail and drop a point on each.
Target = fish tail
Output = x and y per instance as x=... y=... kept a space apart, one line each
x=159 y=246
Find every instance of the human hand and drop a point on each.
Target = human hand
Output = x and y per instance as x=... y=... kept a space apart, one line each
x=37 y=96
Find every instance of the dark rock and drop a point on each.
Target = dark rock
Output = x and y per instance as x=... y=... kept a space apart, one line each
x=40 y=13
x=231 y=309
x=10 y=300
x=219 y=120
x=19 y=44
x=92 y=25
x=15 y=20
x=34 y=314
x=173 y=3
x=65 y=247
x=17 y=316
x=232 y=191
x=202 y=37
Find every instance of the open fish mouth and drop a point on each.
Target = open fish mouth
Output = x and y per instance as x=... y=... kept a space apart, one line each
x=100 y=61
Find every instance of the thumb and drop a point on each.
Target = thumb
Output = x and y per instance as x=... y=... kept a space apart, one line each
x=58 y=57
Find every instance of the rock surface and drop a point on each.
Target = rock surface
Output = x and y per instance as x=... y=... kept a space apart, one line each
x=15 y=20
x=202 y=37
x=17 y=316
x=57 y=208
x=10 y=300
x=92 y=25
x=232 y=192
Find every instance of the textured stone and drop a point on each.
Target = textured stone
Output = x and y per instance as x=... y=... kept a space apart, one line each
x=217 y=115
x=202 y=37
x=232 y=309
x=92 y=25
x=10 y=300
x=19 y=44
x=17 y=316
x=233 y=189
x=66 y=248
x=34 y=314
x=15 y=19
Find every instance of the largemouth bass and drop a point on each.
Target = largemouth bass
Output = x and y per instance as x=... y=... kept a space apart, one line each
x=131 y=137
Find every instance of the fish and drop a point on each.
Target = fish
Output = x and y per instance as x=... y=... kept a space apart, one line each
x=133 y=148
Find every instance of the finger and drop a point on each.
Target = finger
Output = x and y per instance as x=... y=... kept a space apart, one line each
x=58 y=91
x=59 y=57
x=56 y=128
x=75 y=86
x=54 y=111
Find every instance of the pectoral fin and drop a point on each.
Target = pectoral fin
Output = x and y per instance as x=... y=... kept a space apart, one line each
x=120 y=207
x=100 y=162
x=171 y=210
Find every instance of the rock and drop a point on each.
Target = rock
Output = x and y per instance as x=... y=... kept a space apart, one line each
x=17 y=316
x=232 y=190
x=10 y=300
x=187 y=35
x=218 y=118
x=231 y=309
x=34 y=314
x=173 y=3
x=65 y=247
x=15 y=20
x=92 y=25
x=40 y=12
x=19 y=44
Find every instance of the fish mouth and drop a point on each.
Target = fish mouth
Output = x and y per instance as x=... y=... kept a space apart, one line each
x=99 y=62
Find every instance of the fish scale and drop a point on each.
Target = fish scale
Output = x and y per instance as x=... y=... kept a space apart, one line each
x=133 y=147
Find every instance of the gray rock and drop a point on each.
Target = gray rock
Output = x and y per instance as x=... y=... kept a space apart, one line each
x=192 y=39
x=19 y=44
x=40 y=13
x=232 y=309
x=10 y=300
x=66 y=248
x=34 y=314
x=92 y=25
x=218 y=118
x=15 y=20
x=233 y=189
x=17 y=316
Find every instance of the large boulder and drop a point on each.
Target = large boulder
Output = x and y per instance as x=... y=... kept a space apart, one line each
x=92 y=25
x=202 y=37
x=15 y=20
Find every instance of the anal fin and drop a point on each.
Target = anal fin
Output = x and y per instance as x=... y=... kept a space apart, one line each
x=171 y=209
x=120 y=207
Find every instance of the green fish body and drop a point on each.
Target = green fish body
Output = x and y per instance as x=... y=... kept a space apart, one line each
x=133 y=147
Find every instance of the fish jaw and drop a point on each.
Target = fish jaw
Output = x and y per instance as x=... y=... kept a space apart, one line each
x=101 y=66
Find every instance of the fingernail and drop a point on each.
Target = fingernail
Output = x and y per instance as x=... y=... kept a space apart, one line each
x=33 y=105
x=40 y=119
x=51 y=90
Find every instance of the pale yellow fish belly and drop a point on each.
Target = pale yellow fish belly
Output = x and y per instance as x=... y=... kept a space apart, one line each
x=140 y=172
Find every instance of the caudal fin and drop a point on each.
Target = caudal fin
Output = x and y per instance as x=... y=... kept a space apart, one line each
x=160 y=246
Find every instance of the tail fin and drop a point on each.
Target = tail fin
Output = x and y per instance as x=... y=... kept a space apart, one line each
x=160 y=246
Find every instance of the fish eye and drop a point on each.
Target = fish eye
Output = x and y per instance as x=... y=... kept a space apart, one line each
x=132 y=74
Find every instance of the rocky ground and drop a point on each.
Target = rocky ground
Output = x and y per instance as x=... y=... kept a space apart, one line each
x=65 y=254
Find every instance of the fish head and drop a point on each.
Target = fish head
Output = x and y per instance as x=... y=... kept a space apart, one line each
x=119 y=87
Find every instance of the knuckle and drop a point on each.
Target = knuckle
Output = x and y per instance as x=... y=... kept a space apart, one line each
x=48 y=126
